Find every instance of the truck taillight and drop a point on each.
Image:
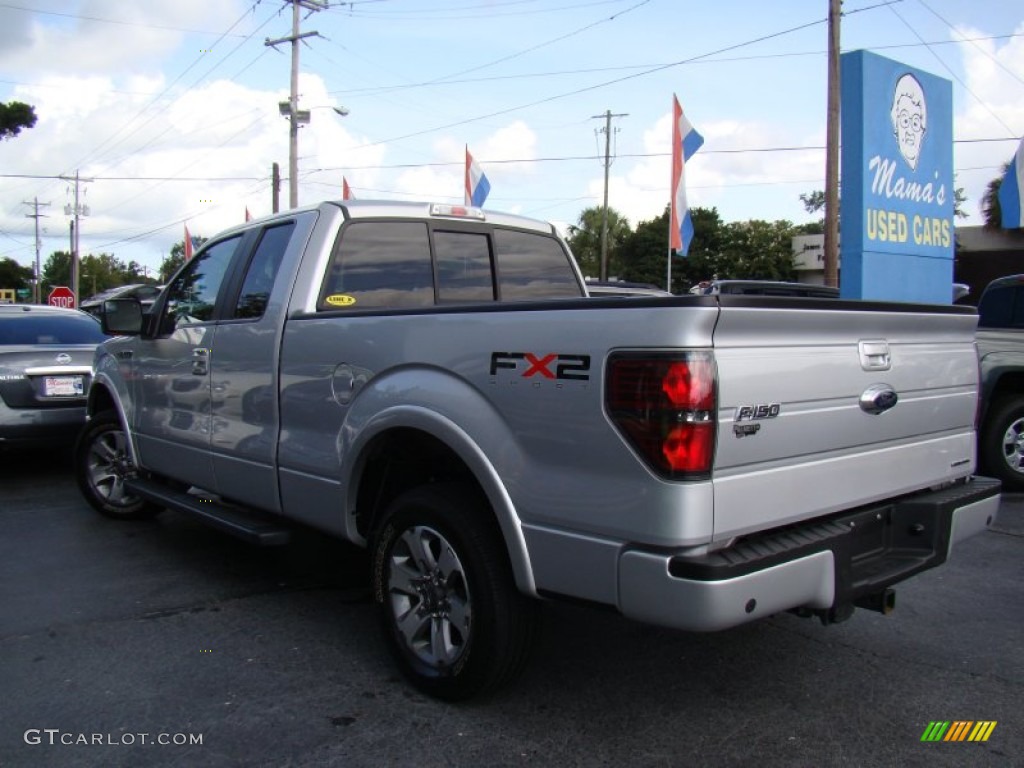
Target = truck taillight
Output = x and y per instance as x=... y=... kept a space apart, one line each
x=664 y=406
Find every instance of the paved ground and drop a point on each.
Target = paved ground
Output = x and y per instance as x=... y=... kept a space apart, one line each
x=130 y=633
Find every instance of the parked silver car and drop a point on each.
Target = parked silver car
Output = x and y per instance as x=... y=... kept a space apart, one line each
x=45 y=366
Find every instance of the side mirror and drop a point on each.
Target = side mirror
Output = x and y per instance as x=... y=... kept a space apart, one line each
x=121 y=317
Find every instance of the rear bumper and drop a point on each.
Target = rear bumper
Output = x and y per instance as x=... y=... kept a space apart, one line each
x=824 y=565
x=24 y=426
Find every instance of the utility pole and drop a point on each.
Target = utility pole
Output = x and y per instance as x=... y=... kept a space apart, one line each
x=607 y=130
x=36 y=294
x=275 y=188
x=78 y=210
x=290 y=108
x=831 y=254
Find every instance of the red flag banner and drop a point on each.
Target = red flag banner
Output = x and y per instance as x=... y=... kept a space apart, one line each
x=188 y=245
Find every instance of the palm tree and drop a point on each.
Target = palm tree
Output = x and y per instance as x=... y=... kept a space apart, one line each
x=990 y=201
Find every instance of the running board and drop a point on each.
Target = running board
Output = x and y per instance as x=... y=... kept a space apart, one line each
x=249 y=526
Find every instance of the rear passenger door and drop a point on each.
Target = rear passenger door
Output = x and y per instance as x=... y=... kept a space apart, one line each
x=244 y=366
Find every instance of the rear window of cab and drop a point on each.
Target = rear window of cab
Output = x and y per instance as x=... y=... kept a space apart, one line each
x=415 y=264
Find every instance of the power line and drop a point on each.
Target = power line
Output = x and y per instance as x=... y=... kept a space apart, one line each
x=108 y=21
x=985 y=53
x=459 y=163
x=954 y=75
x=624 y=67
x=158 y=97
x=487 y=10
x=544 y=44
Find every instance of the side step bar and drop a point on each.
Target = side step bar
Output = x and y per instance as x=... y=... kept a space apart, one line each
x=251 y=527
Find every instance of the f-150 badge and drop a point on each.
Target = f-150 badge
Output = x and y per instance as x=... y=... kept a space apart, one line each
x=756 y=412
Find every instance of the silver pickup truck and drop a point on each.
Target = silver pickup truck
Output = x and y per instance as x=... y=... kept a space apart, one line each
x=433 y=383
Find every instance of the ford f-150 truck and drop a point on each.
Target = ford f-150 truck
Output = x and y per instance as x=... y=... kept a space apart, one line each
x=433 y=383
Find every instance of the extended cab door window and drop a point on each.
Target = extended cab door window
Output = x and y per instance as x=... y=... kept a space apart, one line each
x=262 y=272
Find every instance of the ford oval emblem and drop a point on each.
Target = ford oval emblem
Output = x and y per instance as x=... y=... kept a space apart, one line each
x=878 y=398
x=63 y=358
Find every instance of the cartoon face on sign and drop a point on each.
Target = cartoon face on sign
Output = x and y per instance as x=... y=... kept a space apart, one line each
x=909 y=118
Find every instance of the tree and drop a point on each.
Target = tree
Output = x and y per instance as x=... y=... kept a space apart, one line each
x=703 y=260
x=813 y=201
x=757 y=250
x=14 y=115
x=959 y=201
x=13 y=275
x=98 y=272
x=585 y=239
x=173 y=262
x=643 y=253
x=991 y=211
x=56 y=271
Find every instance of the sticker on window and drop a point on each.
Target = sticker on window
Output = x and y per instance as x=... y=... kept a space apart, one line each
x=340 y=300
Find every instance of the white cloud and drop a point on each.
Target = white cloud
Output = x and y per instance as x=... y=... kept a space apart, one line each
x=994 y=108
x=640 y=189
x=155 y=165
x=101 y=35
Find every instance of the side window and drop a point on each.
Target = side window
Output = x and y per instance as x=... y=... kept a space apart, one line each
x=532 y=266
x=997 y=307
x=463 y=267
x=262 y=271
x=380 y=264
x=1017 y=318
x=192 y=296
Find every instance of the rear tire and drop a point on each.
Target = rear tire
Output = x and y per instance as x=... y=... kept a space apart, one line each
x=452 y=615
x=102 y=463
x=1001 y=444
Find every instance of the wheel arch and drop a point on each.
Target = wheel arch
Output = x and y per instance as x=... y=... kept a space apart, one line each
x=410 y=446
x=999 y=377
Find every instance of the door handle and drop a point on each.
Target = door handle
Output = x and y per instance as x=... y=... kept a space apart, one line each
x=200 y=361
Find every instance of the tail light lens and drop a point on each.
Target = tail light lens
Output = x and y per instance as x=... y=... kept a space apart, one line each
x=664 y=406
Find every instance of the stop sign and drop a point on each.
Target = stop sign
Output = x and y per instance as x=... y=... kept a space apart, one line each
x=61 y=296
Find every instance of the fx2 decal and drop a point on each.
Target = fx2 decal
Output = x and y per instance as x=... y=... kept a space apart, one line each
x=555 y=367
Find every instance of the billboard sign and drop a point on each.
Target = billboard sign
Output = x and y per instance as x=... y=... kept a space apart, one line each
x=897 y=181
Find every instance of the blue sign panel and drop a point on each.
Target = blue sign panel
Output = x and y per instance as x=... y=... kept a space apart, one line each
x=896 y=212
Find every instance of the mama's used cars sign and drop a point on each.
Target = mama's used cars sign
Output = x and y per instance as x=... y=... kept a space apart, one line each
x=897 y=181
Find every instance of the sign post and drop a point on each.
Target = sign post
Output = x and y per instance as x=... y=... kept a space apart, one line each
x=62 y=296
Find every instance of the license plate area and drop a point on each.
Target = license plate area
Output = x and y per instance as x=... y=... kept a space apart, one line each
x=63 y=386
x=890 y=542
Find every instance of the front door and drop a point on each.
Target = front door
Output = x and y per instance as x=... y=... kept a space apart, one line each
x=173 y=393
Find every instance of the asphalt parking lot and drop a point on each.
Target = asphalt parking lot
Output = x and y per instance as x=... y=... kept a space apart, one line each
x=167 y=643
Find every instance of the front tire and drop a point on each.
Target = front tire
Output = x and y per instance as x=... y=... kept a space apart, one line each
x=102 y=463
x=1001 y=448
x=451 y=613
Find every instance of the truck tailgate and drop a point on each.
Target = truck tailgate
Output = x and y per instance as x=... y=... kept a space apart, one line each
x=807 y=419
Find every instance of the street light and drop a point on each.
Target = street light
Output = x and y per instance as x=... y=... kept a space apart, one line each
x=298 y=117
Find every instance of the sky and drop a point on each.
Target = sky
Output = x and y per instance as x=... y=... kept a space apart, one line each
x=171 y=110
